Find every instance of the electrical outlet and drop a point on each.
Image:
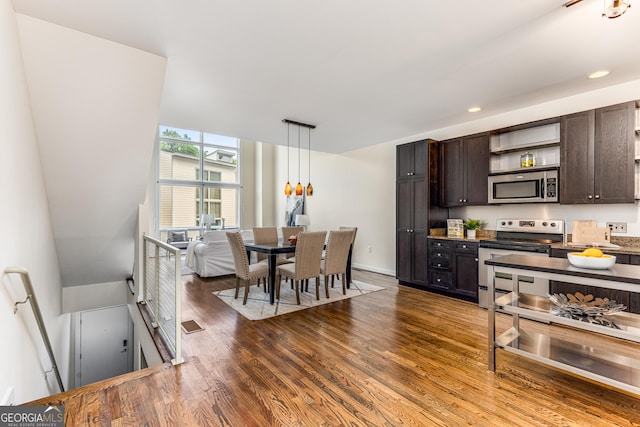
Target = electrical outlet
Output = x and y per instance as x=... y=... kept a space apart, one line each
x=617 y=227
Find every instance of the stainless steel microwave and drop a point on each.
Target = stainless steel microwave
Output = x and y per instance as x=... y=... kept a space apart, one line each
x=524 y=187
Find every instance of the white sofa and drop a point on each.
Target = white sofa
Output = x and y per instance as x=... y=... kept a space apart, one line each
x=211 y=256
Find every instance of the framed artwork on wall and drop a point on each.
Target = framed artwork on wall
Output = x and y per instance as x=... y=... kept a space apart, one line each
x=295 y=206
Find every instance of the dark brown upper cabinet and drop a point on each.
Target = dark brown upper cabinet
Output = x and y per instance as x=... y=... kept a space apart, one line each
x=412 y=160
x=464 y=170
x=597 y=151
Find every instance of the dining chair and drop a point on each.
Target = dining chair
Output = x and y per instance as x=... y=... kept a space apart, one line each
x=353 y=240
x=335 y=261
x=307 y=266
x=263 y=235
x=244 y=271
x=288 y=232
x=355 y=231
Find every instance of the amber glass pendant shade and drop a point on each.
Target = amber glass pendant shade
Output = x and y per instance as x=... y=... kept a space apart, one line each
x=299 y=189
x=288 y=189
x=309 y=189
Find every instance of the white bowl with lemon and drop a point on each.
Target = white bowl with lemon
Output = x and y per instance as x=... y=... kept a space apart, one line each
x=591 y=258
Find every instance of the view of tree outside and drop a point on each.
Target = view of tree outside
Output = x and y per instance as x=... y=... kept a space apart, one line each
x=197 y=174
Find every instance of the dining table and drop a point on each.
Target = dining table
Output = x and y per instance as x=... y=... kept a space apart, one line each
x=273 y=250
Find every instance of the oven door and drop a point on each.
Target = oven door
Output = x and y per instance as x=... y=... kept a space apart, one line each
x=504 y=282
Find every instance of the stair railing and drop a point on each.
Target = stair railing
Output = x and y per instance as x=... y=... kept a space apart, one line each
x=31 y=297
x=162 y=291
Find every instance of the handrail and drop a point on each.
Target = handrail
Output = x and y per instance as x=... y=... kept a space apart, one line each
x=169 y=326
x=31 y=297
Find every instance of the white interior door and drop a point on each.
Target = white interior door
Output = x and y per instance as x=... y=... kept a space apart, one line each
x=105 y=337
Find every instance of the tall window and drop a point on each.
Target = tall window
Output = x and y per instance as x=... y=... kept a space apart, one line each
x=198 y=173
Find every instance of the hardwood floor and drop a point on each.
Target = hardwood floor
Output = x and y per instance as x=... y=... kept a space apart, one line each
x=395 y=357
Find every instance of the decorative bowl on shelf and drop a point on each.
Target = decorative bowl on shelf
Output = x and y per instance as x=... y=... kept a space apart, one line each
x=579 y=259
x=586 y=308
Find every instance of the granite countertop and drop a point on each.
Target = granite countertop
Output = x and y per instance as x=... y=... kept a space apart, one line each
x=628 y=245
x=441 y=233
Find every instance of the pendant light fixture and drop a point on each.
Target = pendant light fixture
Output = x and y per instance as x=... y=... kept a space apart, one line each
x=287 y=188
x=612 y=8
x=615 y=8
x=309 y=186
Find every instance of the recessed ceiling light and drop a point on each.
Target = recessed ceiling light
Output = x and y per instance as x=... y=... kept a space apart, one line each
x=474 y=109
x=598 y=74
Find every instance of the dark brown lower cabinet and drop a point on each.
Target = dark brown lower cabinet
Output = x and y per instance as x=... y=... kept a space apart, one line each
x=453 y=267
x=629 y=299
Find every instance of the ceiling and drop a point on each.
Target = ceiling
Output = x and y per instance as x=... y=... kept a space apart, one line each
x=364 y=72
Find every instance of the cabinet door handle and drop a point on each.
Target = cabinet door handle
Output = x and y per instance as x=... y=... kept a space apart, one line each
x=460 y=200
x=589 y=196
x=464 y=246
x=597 y=196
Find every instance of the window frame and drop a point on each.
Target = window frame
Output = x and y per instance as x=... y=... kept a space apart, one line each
x=202 y=186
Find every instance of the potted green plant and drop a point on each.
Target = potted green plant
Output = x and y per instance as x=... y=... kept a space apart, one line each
x=471 y=225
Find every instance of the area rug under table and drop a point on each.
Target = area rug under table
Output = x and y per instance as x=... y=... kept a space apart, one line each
x=258 y=306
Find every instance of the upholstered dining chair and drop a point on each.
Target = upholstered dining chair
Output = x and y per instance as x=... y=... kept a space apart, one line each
x=263 y=235
x=244 y=271
x=288 y=232
x=355 y=231
x=307 y=266
x=353 y=240
x=335 y=261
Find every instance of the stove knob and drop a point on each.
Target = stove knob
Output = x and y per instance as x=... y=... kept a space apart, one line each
x=510 y=223
x=503 y=223
x=544 y=223
x=553 y=224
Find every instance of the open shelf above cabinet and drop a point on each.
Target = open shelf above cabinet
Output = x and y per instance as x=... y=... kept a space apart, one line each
x=526 y=147
x=541 y=140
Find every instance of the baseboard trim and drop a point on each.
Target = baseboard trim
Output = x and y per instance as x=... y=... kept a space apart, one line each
x=384 y=271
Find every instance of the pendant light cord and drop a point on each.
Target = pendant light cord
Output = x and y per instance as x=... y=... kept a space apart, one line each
x=288 y=149
x=309 y=156
x=298 y=153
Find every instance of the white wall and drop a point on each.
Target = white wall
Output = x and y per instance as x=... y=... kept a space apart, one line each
x=95 y=106
x=91 y=297
x=358 y=187
x=27 y=238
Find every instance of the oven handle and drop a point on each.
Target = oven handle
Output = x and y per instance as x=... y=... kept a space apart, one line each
x=518 y=248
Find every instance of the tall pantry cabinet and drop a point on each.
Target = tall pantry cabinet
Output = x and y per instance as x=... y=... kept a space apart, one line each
x=417 y=209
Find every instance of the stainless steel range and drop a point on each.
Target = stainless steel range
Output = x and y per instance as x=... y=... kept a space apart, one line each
x=523 y=237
